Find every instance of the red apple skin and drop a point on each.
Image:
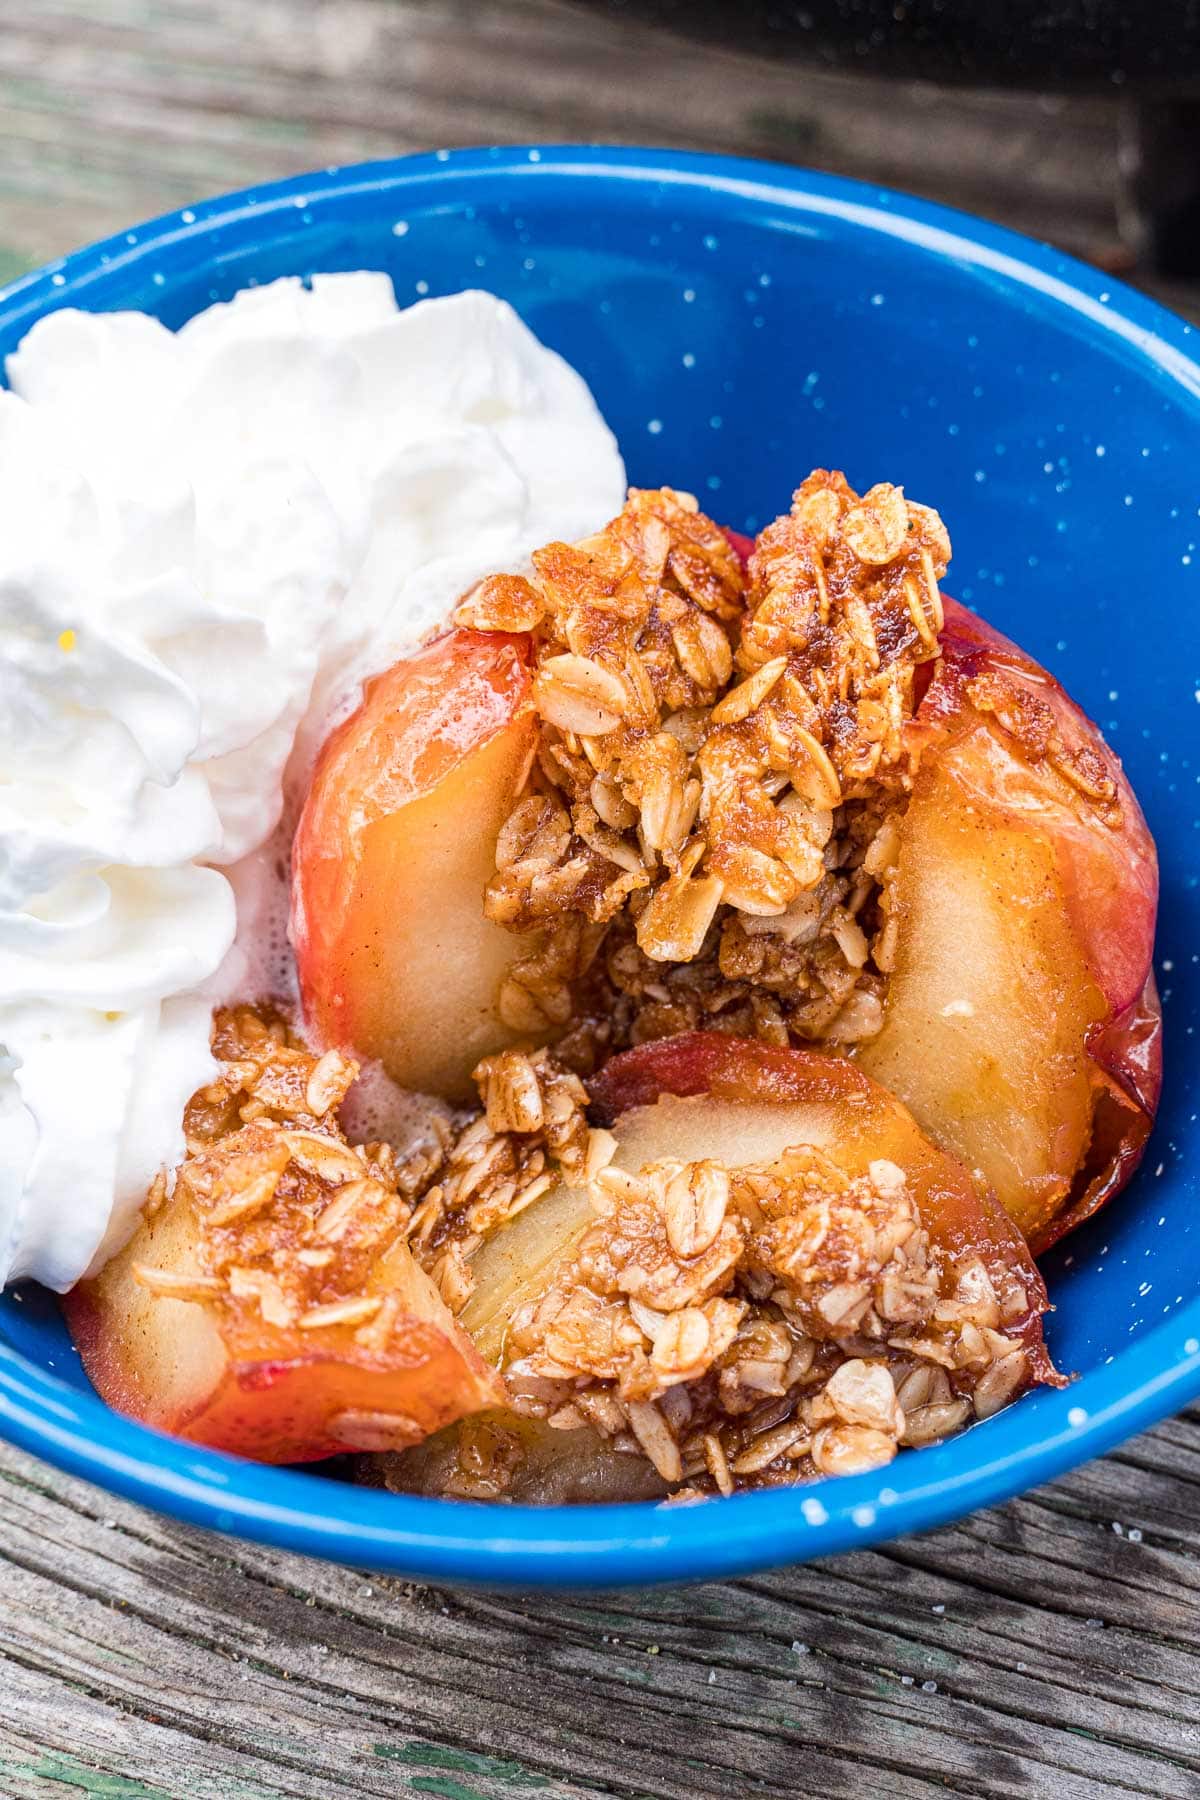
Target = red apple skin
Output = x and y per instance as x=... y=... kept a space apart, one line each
x=742 y=546
x=960 y=1218
x=394 y=847
x=1109 y=881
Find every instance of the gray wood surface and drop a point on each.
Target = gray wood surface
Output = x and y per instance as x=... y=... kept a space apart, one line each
x=1048 y=1648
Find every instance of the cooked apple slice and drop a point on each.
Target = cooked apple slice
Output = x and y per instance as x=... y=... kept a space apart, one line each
x=1021 y=1023
x=395 y=845
x=256 y=1312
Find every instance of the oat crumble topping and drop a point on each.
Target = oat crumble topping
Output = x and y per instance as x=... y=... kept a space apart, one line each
x=738 y=1327
x=708 y=828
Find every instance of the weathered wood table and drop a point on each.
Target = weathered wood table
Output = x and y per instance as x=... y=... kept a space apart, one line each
x=1047 y=1648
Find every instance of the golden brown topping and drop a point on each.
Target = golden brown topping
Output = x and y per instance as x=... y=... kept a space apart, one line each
x=763 y=1323
x=714 y=754
x=846 y=591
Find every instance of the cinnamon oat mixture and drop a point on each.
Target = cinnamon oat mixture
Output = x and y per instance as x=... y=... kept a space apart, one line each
x=746 y=1326
x=735 y=1327
x=294 y=1216
x=709 y=825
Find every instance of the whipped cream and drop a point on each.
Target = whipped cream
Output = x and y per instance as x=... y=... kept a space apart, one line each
x=208 y=538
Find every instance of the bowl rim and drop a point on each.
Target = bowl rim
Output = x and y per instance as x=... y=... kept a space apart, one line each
x=594 y=1546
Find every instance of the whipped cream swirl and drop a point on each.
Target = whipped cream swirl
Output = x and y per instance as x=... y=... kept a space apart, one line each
x=207 y=539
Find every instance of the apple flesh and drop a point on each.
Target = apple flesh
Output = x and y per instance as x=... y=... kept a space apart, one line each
x=219 y=1375
x=1021 y=1023
x=394 y=848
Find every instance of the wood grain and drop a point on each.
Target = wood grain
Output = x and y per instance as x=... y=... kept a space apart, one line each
x=113 y=110
x=1045 y=1649
x=1037 y=1649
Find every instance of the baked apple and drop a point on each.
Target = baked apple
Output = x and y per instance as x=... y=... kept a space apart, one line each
x=271 y=1306
x=793 y=795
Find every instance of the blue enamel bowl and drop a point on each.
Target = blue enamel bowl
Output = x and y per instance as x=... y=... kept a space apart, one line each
x=740 y=323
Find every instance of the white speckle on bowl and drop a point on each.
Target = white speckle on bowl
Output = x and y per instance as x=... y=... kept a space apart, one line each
x=876 y=299
x=1077 y=1417
x=535 y=156
x=814 y=1512
x=710 y=242
x=400 y=228
x=689 y=359
x=654 y=426
x=58 y=280
x=689 y=295
x=863 y=1516
x=422 y=287
x=1191 y=1346
x=188 y=216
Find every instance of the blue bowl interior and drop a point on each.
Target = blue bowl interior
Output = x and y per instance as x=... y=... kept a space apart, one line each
x=738 y=325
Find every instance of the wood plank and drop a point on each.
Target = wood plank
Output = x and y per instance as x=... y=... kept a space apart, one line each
x=112 y=111
x=1028 y=1649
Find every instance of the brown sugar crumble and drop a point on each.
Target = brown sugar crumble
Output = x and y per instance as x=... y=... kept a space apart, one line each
x=291 y=1216
x=710 y=822
x=742 y=1327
